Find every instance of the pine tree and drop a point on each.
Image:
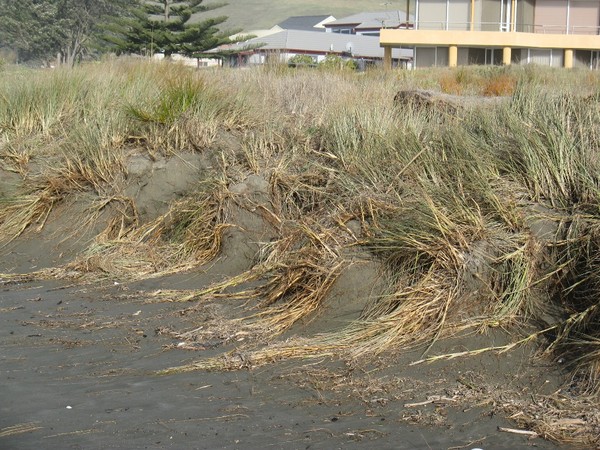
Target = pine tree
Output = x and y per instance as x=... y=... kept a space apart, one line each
x=167 y=27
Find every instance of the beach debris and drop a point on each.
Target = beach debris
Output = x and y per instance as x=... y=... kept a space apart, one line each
x=19 y=429
x=427 y=100
x=432 y=399
x=531 y=434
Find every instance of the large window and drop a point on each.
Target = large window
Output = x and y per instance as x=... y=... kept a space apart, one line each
x=459 y=15
x=551 y=16
x=506 y=15
x=431 y=56
x=432 y=15
x=583 y=16
x=546 y=57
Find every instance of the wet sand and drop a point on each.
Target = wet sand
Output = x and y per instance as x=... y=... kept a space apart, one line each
x=78 y=370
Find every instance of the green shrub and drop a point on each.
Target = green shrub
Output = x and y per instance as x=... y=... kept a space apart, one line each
x=336 y=62
x=301 y=60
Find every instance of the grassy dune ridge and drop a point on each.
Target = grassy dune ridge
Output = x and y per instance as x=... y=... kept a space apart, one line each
x=483 y=213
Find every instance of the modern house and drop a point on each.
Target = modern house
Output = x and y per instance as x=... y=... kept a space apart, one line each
x=305 y=23
x=369 y=23
x=283 y=45
x=313 y=23
x=560 y=33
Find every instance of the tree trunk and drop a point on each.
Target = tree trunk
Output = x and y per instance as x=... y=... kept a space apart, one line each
x=167 y=10
x=74 y=52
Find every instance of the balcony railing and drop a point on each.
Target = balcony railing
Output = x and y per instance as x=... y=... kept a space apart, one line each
x=506 y=27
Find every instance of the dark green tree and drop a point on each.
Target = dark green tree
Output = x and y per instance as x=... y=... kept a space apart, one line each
x=168 y=27
x=131 y=34
x=28 y=28
x=81 y=22
x=49 y=29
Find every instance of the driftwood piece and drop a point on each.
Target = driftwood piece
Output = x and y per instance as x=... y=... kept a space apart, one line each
x=437 y=101
x=427 y=100
x=531 y=434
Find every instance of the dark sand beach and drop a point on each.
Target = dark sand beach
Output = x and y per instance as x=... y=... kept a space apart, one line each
x=79 y=364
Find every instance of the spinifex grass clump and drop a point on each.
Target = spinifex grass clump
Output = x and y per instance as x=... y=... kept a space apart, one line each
x=470 y=209
x=291 y=282
x=69 y=132
x=578 y=334
x=187 y=114
x=35 y=103
x=302 y=267
x=63 y=132
x=549 y=145
x=456 y=260
x=550 y=141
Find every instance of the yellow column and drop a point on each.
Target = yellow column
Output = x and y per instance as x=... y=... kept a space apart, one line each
x=387 y=58
x=568 y=58
x=452 y=56
x=506 y=54
x=472 y=27
x=513 y=16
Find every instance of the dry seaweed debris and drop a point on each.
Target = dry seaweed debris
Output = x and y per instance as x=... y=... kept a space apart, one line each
x=19 y=429
x=240 y=359
x=558 y=417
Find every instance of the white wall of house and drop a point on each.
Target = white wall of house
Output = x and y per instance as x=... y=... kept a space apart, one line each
x=191 y=62
x=257 y=58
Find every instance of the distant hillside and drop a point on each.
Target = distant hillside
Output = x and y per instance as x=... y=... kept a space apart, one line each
x=261 y=14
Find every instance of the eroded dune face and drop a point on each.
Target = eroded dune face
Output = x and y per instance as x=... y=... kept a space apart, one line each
x=10 y=183
x=316 y=220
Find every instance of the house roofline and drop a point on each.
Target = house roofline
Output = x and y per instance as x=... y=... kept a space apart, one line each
x=317 y=52
x=331 y=25
x=396 y=38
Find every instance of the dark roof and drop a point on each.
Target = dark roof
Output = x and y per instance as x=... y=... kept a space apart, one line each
x=376 y=20
x=306 y=23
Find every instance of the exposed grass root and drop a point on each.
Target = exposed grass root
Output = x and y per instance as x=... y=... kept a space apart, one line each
x=187 y=236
